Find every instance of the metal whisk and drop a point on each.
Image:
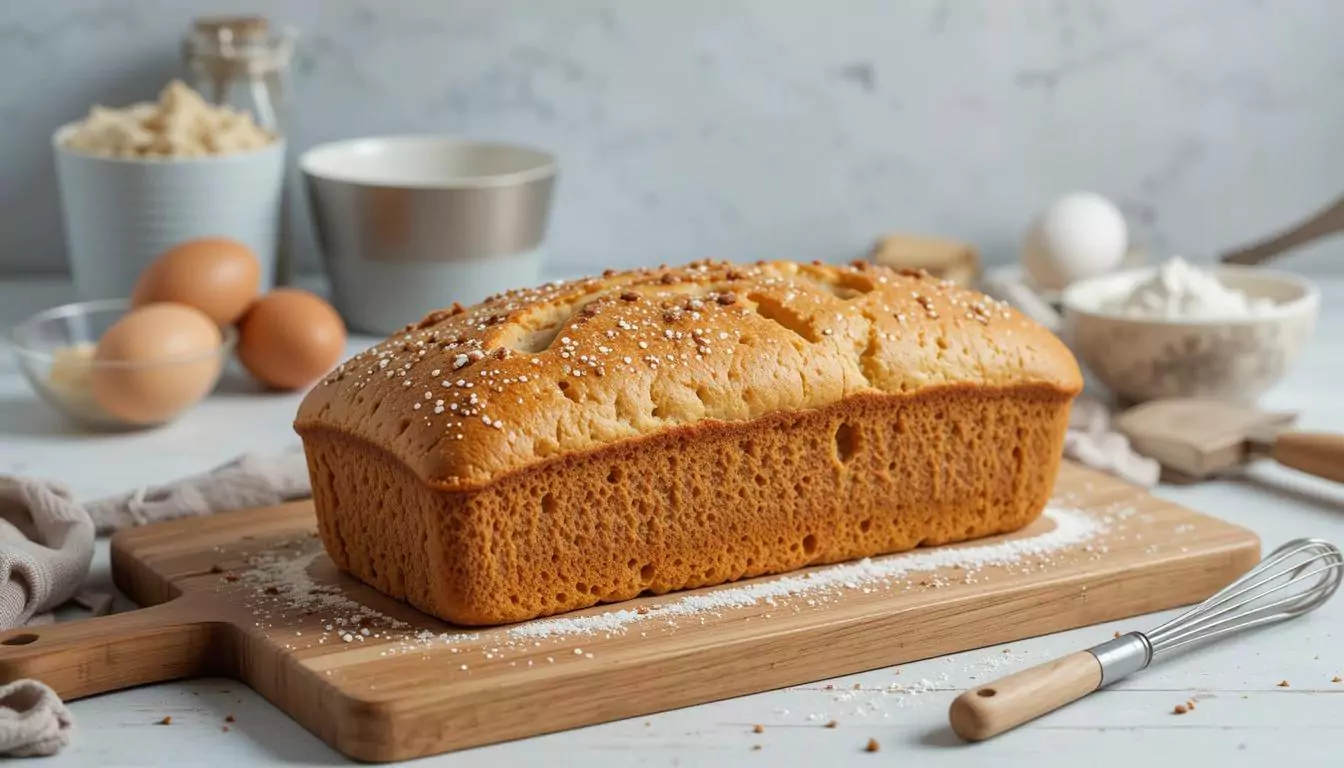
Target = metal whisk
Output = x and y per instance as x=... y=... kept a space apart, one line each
x=1295 y=578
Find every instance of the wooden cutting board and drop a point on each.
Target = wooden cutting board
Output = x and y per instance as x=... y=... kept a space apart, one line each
x=251 y=595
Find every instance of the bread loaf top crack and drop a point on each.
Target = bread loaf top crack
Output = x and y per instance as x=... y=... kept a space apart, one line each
x=465 y=396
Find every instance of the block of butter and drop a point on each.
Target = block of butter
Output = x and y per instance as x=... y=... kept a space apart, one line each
x=944 y=258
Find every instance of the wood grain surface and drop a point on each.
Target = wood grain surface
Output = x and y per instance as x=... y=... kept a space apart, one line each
x=378 y=691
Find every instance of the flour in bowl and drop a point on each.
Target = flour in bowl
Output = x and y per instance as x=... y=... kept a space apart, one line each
x=1179 y=290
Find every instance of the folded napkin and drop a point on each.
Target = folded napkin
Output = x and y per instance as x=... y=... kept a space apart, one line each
x=46 y=536
x=1090 y=440
x=251 y=480
x=33 y=721
x=46 y=546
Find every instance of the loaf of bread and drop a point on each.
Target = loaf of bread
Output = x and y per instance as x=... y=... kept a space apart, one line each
x=662 y=429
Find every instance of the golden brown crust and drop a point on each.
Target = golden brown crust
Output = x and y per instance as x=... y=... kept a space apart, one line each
x=466 y=397
x=694 y=505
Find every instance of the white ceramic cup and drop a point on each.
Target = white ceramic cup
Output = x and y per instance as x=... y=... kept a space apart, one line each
x=122 y=213
x=410 y=224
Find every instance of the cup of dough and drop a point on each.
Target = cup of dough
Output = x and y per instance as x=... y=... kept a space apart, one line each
x=136 y=181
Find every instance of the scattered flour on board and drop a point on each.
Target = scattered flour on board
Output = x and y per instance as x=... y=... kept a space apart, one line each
x=1071 y=528
x=283 y=587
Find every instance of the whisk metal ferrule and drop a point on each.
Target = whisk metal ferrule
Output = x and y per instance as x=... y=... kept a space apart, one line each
x=1122 y=657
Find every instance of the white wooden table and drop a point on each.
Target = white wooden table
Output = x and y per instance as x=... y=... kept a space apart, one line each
x=1243 y=717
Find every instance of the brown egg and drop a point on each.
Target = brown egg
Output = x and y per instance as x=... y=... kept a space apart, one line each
x=289 y=338
x=216 y=275
x=155 y=361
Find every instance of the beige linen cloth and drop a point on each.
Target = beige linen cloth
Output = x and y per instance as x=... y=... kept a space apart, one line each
x=46 y=546
x=251 y=480
x=1091 y=441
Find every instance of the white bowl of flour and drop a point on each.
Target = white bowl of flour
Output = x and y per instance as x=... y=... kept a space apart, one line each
x=1179 y=330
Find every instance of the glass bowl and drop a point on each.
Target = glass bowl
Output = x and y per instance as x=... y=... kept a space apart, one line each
x=54 y=349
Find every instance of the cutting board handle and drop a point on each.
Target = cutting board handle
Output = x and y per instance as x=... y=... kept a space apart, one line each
x=82 y=658
x=1317 y=453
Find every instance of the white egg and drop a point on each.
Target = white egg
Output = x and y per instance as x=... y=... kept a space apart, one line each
x=1080 y=235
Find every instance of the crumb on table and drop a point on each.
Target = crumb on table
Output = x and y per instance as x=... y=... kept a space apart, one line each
x=230 y=719
x=832 y=724
x=1283 y=683
x=1180 y=709
x=167 y=720
x=1335 y=679
x=872 y=746
x=758 y=728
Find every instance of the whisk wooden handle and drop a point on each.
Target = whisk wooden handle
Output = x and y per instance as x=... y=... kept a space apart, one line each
x=1317 y=453
x=991 y=709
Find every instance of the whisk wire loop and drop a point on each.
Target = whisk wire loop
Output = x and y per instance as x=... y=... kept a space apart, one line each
x=1300 y=603
x=1310 y=570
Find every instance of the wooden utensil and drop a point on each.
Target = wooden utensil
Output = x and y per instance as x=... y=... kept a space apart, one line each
x=1199 y=438
x=324 y=648
x=1325 y=222
x=942 y=257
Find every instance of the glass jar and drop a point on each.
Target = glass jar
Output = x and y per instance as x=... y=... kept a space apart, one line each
x=239 y=61
x=236 y=60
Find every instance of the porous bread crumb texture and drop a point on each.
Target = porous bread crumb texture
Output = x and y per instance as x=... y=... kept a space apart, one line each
x=694 y=505
x=468 y=396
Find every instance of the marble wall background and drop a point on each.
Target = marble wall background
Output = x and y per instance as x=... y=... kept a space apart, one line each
x=780 y=128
